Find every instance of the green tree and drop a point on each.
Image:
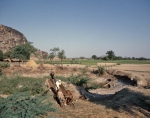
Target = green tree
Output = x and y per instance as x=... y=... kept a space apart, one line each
x=1 y=55
x=94 y=57
x=110 y=54
x=51 y=56
x=61 y=56
x=118 y=58
x=55 y=50
x=23 y=51
x=82 y=58
x=7 y=54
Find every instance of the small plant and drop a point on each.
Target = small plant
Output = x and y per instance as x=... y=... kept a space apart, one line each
x=84 y=70
x=36 y=89
x=79 y=81
x=22 y=105
x=118 y=63
x=101 y=70
x=4 y=65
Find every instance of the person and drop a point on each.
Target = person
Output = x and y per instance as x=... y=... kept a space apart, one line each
x=53 y=79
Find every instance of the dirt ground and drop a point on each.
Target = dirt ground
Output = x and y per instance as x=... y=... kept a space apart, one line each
x=121 y=101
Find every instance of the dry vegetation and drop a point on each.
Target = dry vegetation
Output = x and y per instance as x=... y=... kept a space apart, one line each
x=120 y=100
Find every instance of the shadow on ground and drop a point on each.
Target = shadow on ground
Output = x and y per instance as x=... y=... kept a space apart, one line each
x=126 y=100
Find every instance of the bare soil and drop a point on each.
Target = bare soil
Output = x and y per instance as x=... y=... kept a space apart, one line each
x=120 y=100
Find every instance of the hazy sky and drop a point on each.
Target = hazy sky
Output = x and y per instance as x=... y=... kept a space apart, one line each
x=82 y=27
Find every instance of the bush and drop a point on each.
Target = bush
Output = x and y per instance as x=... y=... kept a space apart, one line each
x=76 y=80
x=79 y=81
x=22 y=105
x=84 y=70
x=101 y=70
x=4 y=65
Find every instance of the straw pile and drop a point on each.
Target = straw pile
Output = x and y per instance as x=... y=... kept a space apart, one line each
x=31 y=63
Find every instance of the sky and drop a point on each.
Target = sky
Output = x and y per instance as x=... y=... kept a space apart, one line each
x=82 y=28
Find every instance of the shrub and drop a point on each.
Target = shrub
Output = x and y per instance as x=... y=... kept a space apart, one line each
x=22 y=105
x=4 y=65
x=118 y=63
x=84 y=70
x=101 y=70
x=79 y=81
x=76 y=80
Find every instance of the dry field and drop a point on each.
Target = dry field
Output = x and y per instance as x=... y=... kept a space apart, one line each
x=128 y=102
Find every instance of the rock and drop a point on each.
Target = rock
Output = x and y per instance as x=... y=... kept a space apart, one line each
x=10 y=38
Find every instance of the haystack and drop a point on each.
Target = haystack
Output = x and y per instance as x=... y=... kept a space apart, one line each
x=31 y=63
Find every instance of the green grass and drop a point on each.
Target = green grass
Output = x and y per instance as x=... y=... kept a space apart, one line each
x=13 y=84
x=91 y=62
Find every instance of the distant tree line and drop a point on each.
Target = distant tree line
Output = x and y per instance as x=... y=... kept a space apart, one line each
x=110 y=55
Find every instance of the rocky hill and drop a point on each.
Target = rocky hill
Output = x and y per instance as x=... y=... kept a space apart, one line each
x=10 y=38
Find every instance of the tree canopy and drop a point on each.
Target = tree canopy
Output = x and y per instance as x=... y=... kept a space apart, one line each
x=110 y=54
x=94 y=57
x=61 y=56
x=23 y=51
x=51 y=56
x=54 y=50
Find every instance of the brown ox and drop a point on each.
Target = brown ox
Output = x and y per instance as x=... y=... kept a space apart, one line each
x=61 y=98
x=58 y=95
x=68 y=95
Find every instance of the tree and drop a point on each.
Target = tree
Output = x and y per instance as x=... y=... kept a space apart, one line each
x=54 y=50
x=94 y=57
x=1 y=55
x=23 y=51
x=61 y=56
x=118 y=58
x=82 y=58
x=7 y=54
x=51 y=56
x=110 y=54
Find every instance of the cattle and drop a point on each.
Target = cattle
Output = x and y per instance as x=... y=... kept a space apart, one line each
x=68 y=95
x=61 y=98
x=62 y=95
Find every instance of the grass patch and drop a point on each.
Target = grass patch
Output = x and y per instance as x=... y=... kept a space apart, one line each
x=90 y=62
x=94 y=86
x=13 y=84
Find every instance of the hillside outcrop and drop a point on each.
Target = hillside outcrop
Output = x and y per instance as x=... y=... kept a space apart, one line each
x=10 y=38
